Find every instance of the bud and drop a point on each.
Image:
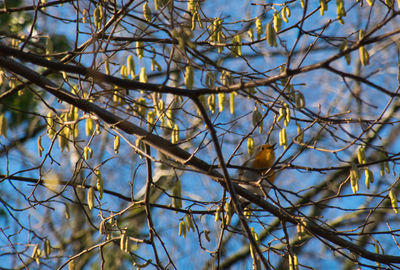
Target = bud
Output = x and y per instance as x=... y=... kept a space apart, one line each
x=189 y=77
x=98 y=16
x=124 y=242
x=107 y=66
x=217 y=214
x=116 y=144
x=139 y=49
x=257 y=119
x=211 y=102
x=221 y=101
x=323 y=6
x=177 y=194
x=259 y=28
x=175 y=134
x=143 y=75
x=87 y=152
x=277 y=22
x=285 y=13
x=40 y=147
x=36 y=254
x=270 y=35
x=299 y=99
x=361 y=155
x=282 y=114
x=369 y=177
x=147 y=12
x=130 y=64
x=90 y=198
x=250 y=145
x=283 y=138
x=124 y=72
x=232 y=102
x=300 y=134
x=99 y=183
x=250 y=34
x=228 y=213
x=393 y=200
x=3 y=125
x=237 y=49
x=89 y=126
x=354 y=177
x=47 y=248
x=182 y=229
x=189 y=223
x=340 y=11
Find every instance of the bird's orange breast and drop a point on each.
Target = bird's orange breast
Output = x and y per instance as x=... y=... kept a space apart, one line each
x=264 y=159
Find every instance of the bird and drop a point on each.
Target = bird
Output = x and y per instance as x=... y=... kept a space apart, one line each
x=263 y=158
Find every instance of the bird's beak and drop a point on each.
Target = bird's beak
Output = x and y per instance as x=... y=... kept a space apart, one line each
x=274 y=146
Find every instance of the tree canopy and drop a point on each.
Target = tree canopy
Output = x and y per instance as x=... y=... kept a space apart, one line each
x=124 y=124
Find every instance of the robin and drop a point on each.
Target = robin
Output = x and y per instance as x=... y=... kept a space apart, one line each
x=263 y=158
